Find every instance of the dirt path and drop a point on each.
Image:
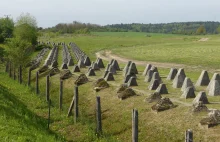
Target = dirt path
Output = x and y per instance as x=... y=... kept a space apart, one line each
x=107 y=55
x=204 y=39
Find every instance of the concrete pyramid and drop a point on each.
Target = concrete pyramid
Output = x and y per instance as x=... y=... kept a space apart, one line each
x=70 y=62
x=216 y=76
x=105 y=73
x=162 y=89
x=91 y=72
x=95 y=66
x=127 y=77
x=87 y=61
x=76 y=68
x=132 y=81
x=179 y=79
x=100 y=63
x=149 y=75
x=126 y=67
x=81 y=64
x=107 y=67
x=109 y=77
x=188 y=93
x=115 y=64
x=214 y=89
x=54 y=64
x=148 y=67
x=187 y=83
x=154 y=69
x=201 y=97
x=203 y=79
x=64 y=66
x=112 y=69
x=154 y=85
x=172 y=74
x=133 y=68
x=156 y=76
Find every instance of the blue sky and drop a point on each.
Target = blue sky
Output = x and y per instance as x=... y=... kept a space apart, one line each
x=51 y=12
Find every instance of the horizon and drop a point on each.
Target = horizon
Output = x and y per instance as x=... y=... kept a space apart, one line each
x=51 y=12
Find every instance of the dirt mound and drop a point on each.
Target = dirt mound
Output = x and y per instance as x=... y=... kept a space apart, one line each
x=125 y=92
x=154 y=97
x=212 y=120
x=65 y=74
x=100 y=84
x=199 y=107
x=163 y=104
x=122 y=88
x=82 y=79
x=54 y=71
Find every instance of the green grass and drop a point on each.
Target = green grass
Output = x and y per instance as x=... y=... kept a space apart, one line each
x=18 y=119
x=181 y=49
x=169 y=125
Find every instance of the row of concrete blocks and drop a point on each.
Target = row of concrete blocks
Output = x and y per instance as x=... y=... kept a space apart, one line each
x=67 y=59
x=52 y=56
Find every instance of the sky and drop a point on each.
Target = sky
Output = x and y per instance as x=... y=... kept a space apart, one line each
x=51 y=12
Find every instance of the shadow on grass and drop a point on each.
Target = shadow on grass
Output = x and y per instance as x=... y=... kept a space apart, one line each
x=17 y=110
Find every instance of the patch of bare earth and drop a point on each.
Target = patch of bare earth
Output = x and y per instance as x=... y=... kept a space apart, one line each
x=204 y=39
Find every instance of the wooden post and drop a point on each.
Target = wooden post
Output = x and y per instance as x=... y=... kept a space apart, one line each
x=14 y=73
x=134 y=125
x=48 y=88
x=20 y=74
x=49 y=104
x=71 y=107
x=189 y=136
x=61 y=95
x=9 y=69
x=37 y=83
x=29 y=77
x=76 y=111
x=98 y=116
x=6 y=67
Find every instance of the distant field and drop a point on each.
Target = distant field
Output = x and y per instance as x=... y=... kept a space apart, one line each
x=151 y=47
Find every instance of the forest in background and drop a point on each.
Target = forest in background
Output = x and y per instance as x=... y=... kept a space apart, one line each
x=187 y=28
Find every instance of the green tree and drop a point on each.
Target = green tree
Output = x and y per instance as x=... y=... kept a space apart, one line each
x=2 y=52
x=18 y=51
x=6 y=28
x=201 y=30
x=26 y=28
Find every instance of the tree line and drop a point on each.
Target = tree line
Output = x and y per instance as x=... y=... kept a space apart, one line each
x=188 y=28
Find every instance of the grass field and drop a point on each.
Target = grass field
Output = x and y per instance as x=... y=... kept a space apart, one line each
x=169 y=125
x=170 y=48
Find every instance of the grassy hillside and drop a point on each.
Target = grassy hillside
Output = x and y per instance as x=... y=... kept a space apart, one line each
x=169 y=125
x=18 y=118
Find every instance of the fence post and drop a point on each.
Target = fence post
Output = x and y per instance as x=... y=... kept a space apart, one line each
x=48 y=88
x=49 y=104
x=6 y=67
x=14 y=73
x=71 y=107
x=98 y=116
x=76 y=109
x=29 y=77
x=37 y=83
x=20 y=74
x=134 y=125
x=189 y=135
x=61 y=95
x=9 y=69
